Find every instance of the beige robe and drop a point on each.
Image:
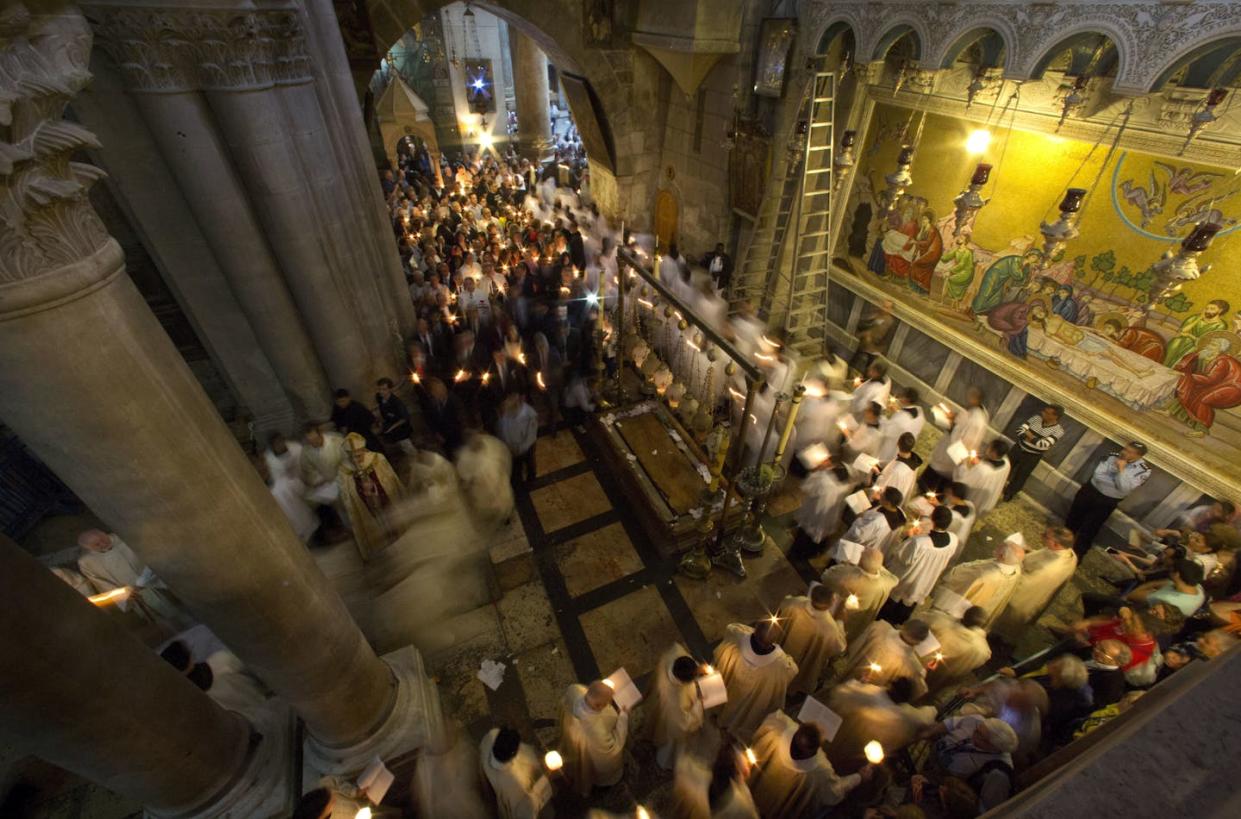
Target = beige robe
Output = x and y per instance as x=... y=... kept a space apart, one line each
x=690 y=799
x=964 y=649
x=985 y=583
x=116 y=568
x=512 y=782
x=871 y=590
x=867 y=713
x=882 y=644
x=1043 y=574
x=812 y=638
x=447 y=783
x=756 y=684
x=591 y=742
x=673 y=708
x=372 y=528
x=483 y=468
x=787 y=788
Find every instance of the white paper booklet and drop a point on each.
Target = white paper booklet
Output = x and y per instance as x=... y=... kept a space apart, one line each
x=625 y=692
x=859 y=501
x=958 y=452
x=711 y=690
x=819 y=714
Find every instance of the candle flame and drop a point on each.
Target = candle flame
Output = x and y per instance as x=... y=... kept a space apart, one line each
x=109 y=597
x=538 y=377
x=553 y=760
x=750 y=756
x=414 y=377
x=708 y=669
x=609 y=683
x=770 y=343
x=874 y=752
x=851 y=602
x=939 y=656
x=521 y=359
x=857 y=382
x=874 y=667
x=642 y=813
x=461 y=375
x=363 y=813
x=486 y=378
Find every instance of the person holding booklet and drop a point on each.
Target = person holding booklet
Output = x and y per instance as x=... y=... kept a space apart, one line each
x=675 y=710
x=811 y=634
x=757 y=673
x=793 y=778
x=918 y=562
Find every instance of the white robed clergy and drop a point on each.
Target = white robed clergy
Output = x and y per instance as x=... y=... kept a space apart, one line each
x=592 y=737
x=872 y=527
x=985 y=476
x=793 y=778
x=319 y=463
x=823 y=499
x=969 y=427
x=874 y=390
x=1043 y=573
x=868 y=584
x=883 y=654
x=447 y=779
x=864 y=440
x=484 y=465
x=287 y=489
x=756 y=672
x=513 y=770
x=963 y=513
x=919 y=561
x=900 y=473
x=673 y=708
x=810 y=635
x=962 y=645
x=986 y=583
x=908 y=418
x=871 y=712
x=108 y=563
x=692 y=788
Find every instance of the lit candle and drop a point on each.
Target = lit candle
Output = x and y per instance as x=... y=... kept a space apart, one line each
x=461 y=375
x=852 y=603
x=109 y=597
x=553 y=760
x=486 y=378
x=609 y=683
x=538 y=377
x=857 y=382
x=708 y=669
x=874 y=752
x=642 y=813
x=973 y=454
x=363 y=813
x=415 y=378
x=939 y=657
x=874 y=668
x=750 y=756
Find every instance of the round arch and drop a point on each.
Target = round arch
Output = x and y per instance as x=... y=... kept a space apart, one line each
x=993 y=43
x=840 y=30
x=894 y=33
x=1205 y=62
x=1085 y=34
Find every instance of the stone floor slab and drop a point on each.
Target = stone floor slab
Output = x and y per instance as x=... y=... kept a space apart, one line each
x=569 y=501
x=526 y=617
x=631 y=632
x=596 y=559
x=555 y=452
x=724 y=598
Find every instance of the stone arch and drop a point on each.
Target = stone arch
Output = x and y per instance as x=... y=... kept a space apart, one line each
x=1055 y=41
x=956 y=43
x=837 y=26
x=1219 y=45
x=898 y=27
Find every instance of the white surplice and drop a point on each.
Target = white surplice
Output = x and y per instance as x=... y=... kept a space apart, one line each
x=513 y=781
x=892 y=427
x=985 y=481
x=970 y=428
x=823 y=499
x=918 y=562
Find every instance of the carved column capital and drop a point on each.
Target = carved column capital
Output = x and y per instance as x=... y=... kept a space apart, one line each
x=171 y=49
x=46 y=220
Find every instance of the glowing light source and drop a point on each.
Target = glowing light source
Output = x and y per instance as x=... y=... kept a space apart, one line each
x=609 y=683
x=553 y=760
x=750 y=756
x=873 y=751
x=708 y=669
x=461 y=375
x=977 y=141
x=538 y=377
x=592 y=299
x=486 y=140
x=109 y=597
x=852 y=603
x=417 y=379
x=642 y=813
x=874 y=668
x=363 y=813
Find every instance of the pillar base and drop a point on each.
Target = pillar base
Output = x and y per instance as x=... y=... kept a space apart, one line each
x=414 y=722
x=265 y=786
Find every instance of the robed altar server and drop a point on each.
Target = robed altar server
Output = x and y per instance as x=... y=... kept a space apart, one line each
x=962 y=645
x=988 y=583
x=918 y=562
x=1043 y=573
x=967 y=427
x=673 y=708
x=864 y=588
x=823 y=499
x=793 y=778
x=513 y=771
x=985 y=476
x=811 y=635
x=592 y=737
x=884 y=653
x=907 y=417
x=756 y=673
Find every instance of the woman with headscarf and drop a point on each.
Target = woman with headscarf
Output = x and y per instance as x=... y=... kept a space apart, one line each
x=369 y=491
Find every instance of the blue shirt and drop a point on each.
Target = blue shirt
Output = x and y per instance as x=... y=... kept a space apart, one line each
x=1118 y=483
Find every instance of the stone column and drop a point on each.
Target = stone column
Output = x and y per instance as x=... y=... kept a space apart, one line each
x=534 y=124
x=81 y=692
x=91 y=383
x=179 y=122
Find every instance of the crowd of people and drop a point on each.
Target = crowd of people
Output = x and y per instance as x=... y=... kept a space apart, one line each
x=512 y=273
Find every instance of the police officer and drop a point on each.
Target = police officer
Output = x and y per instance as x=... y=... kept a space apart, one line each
x=1114 y=478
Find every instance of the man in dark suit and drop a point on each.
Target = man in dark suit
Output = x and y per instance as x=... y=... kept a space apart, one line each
x=720 y=265
x=443 y=415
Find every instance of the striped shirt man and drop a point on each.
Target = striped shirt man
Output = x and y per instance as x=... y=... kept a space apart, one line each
x=1034 y=438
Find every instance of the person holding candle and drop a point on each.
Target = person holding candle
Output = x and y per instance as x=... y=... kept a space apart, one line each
x=883 y=653
x=714 y=791
x=864 y=440
x=905 y=418
x=756 y=672
x=823 y=500
x=674 y=705
x=873 y=389
x=901 y=472
x=963 y=646
x=919 y=561
x=968 y=428
x=873 y=713
x=592 y=737
x=513 y=770
x=985 y=476
x=793 y=777
x=864 y=588
x=811 y=634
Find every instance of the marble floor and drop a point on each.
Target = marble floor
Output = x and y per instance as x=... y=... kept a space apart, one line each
x=585 y=591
